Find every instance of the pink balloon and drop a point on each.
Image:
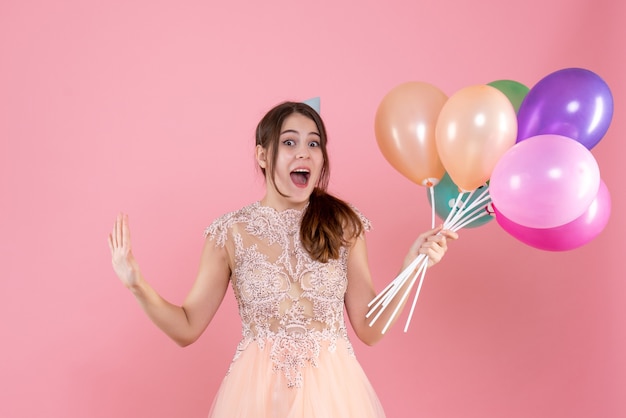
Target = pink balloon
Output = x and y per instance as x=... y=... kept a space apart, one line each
x=565 y=237
x=545 y=181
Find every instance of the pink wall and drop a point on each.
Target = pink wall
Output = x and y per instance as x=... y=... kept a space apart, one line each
x=150 y=106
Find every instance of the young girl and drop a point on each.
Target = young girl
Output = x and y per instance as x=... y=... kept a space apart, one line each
x=294 y=260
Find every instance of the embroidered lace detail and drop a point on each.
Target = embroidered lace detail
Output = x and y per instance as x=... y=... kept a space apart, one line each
x=285 y=298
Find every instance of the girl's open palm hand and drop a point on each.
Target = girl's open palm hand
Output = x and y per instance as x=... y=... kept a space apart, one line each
x=124 y=264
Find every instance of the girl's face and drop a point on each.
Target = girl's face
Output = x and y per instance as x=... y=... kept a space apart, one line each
x=298 y=164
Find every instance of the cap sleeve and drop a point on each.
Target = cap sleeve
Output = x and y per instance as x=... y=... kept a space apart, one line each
x=218 y=230
x=367 y=224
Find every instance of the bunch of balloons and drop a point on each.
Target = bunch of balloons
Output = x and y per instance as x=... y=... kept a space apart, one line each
x=504 y=150
x=529 y=147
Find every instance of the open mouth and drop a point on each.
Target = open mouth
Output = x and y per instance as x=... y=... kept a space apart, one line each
x=300 y=177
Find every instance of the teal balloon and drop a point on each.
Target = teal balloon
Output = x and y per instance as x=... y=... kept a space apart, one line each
x=446 y=193
x=513 y=90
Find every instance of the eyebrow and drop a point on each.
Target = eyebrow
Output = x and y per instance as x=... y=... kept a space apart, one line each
x=293 y=131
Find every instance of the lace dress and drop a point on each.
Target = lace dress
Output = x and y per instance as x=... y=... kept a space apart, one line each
x=294 y=358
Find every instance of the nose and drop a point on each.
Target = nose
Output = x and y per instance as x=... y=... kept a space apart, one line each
x=303 y=152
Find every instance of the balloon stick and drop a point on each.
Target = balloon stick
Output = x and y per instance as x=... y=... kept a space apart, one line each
x=463 y=213
x=432 y=213
x=417 y=293
x=404 y=296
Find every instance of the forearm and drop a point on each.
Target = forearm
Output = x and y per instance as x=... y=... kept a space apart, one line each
x=171 y=319
x=382 y=318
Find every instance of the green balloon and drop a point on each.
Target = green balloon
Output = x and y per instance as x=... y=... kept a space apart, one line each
x=513 y=90
x=446 y=193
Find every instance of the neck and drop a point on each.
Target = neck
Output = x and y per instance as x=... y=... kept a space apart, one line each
x=282 y=204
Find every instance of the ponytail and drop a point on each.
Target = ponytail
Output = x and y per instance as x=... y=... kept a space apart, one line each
x=327 y=225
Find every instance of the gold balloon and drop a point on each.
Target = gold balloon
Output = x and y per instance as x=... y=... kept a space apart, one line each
x=405 y=131
x=474 y=129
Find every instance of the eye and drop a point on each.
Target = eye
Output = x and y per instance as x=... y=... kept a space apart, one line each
x=289 y=142
x=314 y=144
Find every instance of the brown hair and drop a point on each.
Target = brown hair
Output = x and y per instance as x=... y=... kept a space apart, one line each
x=328 y=222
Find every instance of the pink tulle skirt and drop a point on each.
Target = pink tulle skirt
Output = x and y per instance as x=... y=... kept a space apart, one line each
x=337 y=387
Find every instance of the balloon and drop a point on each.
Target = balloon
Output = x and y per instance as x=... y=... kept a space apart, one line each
x=475 y=127
x=572 y=102
x=545 y=181
x=446 y=193
x=513 y=90
x=565 y=237
x=405 y=131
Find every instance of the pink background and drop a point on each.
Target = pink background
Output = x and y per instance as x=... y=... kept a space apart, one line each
x=150 y=106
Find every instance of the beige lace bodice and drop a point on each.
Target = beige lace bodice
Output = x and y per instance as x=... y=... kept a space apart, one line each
x=284 y=297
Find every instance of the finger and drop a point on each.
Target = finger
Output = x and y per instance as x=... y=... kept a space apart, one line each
x=434 y=247
x=432 y=256
x=435 y=254
x=125 y=231
x=118 y=231
x=113 y=234
x=450 y=234
x=433 y=250
x=438 y=240
x=110 y=241
x=434 y=231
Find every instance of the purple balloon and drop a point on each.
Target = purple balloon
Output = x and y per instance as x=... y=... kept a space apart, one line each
x=565 y=237
x=544 y=181
x=572 y=102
